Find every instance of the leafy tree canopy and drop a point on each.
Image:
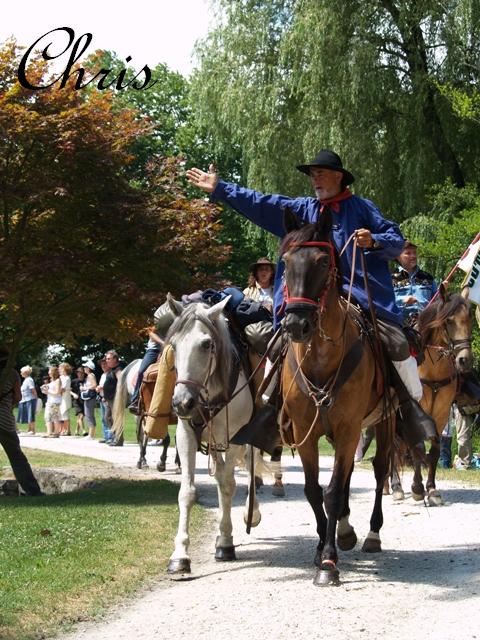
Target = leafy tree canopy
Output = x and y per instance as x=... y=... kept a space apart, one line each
x=83 y=250
x=283 y=78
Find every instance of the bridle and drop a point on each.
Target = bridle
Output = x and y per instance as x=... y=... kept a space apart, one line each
x=296 y=302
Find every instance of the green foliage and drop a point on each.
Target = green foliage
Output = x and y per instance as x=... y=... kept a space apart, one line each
x=281 y=80
x=85 y=250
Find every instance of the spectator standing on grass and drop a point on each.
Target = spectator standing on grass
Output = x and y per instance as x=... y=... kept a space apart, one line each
x=10 y=395
x=107 y=434
x=109 y=389
x=27 y=406
x=77 y=402
x=66 y=404
x=53 y=391
x=88 y=393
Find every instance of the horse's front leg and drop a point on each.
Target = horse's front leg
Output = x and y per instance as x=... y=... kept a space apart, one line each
x=346 y=536
x=434 y=496
x=142 y=440
x=334 y=498
x=314 y=492
x=226 y=485
x=187 y=449
x=162 y=463
x=418 y=455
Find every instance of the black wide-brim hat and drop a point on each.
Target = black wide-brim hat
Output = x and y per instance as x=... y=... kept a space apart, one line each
x=328 y=160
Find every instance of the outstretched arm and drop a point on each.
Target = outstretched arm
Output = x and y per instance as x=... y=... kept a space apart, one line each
x=266 y=211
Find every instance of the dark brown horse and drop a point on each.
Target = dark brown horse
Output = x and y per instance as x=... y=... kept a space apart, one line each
x=330 y=383
x=446 y=331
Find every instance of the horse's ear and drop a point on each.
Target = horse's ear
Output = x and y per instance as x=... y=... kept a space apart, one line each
x=216 y=310
x=442 y=292
x=324 y=221
x=465 y=292
x=291 y=222
x=175 y=307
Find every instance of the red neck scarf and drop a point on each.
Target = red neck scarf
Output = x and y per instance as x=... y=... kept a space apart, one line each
x=333 y=202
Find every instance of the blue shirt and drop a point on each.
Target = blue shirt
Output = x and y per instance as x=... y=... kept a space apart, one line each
x=419 y=284
x=266 y=211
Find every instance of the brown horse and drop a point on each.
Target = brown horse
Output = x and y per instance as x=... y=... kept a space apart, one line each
x=330 y=383
x=446 y=331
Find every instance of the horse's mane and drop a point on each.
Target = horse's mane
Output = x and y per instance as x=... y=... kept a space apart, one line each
x=218 y=329
x=309 y=233
x=436 y=314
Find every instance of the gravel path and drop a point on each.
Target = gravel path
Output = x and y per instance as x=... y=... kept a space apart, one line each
x=425 y=584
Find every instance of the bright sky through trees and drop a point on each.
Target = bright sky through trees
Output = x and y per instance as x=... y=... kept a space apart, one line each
x=150 y=31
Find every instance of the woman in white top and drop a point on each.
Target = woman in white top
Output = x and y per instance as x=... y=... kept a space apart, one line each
x=66 y=404
x=88 y=393
x=28 y=404
x=52 y=407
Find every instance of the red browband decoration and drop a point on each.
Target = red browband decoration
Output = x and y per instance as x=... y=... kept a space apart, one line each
x=331 y=267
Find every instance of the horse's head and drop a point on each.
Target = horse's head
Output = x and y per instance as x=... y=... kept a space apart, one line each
x=311 y=270
x=448 y=323
x=199 y=338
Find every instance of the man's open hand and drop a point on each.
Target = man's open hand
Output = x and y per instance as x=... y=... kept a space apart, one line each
x=205 y=181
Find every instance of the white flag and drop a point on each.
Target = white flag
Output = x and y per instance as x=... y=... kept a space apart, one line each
x=466 y=261
x=473 y=280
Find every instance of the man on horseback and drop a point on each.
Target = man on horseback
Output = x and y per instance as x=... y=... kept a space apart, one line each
x=380 y=238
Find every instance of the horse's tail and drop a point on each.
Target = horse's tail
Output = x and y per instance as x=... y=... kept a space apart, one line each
x=121 y=399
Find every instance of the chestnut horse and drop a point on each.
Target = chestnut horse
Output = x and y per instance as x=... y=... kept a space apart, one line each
x=445 y=328
x=330 y=383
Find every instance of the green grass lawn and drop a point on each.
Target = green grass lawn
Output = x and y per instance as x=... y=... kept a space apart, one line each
x=68 y=557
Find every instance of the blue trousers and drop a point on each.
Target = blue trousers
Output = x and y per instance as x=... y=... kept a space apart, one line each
x=151 y=356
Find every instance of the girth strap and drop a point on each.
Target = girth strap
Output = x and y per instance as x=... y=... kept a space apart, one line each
x=323 y=397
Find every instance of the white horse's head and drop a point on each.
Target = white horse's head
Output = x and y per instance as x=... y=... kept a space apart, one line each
x=203 y=350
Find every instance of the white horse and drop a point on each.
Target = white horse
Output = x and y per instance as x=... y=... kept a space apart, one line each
x=209 y=372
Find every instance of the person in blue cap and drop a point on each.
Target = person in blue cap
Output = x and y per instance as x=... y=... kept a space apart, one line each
x=380 y=238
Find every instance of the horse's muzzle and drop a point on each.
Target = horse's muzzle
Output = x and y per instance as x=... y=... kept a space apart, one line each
x=184 y=401
x=464 y=361
x=299 y=327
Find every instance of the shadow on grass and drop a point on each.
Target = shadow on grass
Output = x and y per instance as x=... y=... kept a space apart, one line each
x=123 y=492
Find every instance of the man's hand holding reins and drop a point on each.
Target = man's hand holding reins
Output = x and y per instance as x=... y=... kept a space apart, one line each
x=364 y=238
x=205 y=181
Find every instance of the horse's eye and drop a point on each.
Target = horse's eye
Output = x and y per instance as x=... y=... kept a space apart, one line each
x=206 y=344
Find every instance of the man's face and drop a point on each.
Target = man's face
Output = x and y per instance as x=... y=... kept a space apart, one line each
x=111 y=361
x=327 y=183
x=408 y=259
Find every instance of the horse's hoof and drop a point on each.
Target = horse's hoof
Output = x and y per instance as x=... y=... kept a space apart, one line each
x=327 y=576
x=278 y=490
x=255 y=521
x=225 y=554
x=418 y=497
x=434 y=498
x=161 y=466
x=371 y=545
x=347 y=541
x=179 y=565
x=258 y=482
x=398 y=495
x=385 y=491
